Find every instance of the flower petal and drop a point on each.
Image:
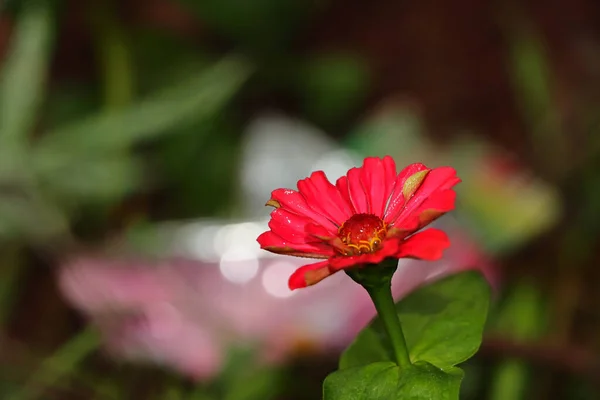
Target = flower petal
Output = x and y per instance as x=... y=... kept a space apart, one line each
x=397 y=200
x=357 y=193
x=342 y=186
x=390 y=247
x=276 y=244
x=323 y=197
x=426 y=245
x=291 y=227
x=309 y=275
x=434 y=190
x=296 y=203
x=436 y=206
x=319 y=233
x=431 y=209
x=377 y=178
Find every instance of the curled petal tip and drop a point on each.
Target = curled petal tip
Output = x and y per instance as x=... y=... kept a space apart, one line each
x=413 y=183
x=273 y=203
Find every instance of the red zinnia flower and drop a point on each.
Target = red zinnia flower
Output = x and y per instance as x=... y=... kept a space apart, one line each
x=370 y=214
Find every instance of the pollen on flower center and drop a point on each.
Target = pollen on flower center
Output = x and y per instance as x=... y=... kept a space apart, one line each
x=362 y=233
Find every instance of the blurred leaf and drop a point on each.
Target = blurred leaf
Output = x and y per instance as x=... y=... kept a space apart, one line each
x=243 y=378
x=23 y=76
x=531 y=74
x=522 y=314
x=532 y=80
x=198 y=97
x=509 y=380
x=387 y=381
x=85 y=161
x=30 y=215
x=522 y=317
x=255 y=384
x=58 y=366
x=442 y=322
x=96 y=180
x=69 y=102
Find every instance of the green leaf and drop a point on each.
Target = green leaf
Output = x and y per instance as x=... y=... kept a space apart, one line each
x=30 y=215
x=94 y=180
x=442 y=322
x=87 y=159
x=24 y=75
x=192 y=99
x=386 y=381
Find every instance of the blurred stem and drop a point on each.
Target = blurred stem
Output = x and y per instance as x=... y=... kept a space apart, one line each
x=386 y=309
x=114 y=55
x=522 y=317
x=56 y=367
x=509 y=380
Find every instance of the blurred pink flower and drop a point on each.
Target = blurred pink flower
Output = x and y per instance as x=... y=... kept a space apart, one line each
x=187 y=315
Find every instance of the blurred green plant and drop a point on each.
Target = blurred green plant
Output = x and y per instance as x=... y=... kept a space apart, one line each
x=45 y=180
x=58 y=366
x=533 y=85
x=522 y=317
x=51 y=169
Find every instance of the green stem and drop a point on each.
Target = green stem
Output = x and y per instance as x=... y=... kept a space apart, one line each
x=384 y=303
x=114 y=54
x=63 y=363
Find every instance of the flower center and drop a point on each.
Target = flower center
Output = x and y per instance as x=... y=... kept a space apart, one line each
x=362 y=233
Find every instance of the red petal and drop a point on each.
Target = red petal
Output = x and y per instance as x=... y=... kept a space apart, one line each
x=323 y=197
x=426 y=245
x=397 y=200
x=290 y=227
x=296 y=203
x=377 y=178
x=276 y=244
x=318 y=232
x=309 y=275
x=431 y=209
x=390 y=247
x=357 y=192
x=342 y=186
x=435 y=188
